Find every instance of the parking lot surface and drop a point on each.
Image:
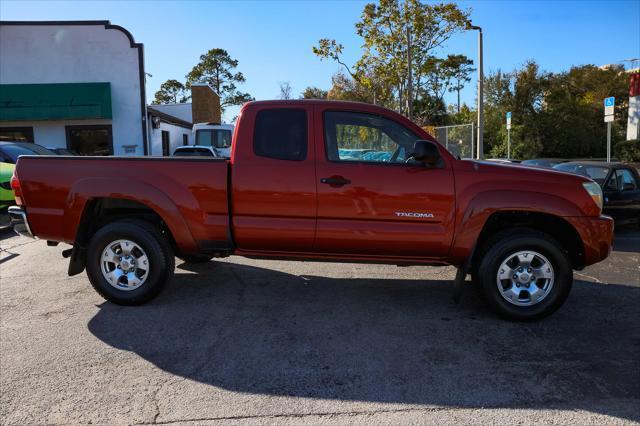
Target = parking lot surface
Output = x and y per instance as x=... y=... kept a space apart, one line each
x=264 y=342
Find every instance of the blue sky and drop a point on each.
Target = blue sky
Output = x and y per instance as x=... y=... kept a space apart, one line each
x=272 y=40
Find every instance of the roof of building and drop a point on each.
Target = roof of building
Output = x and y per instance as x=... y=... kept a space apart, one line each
x=167 y=118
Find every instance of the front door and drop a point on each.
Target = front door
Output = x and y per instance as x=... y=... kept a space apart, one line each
x=372 y=199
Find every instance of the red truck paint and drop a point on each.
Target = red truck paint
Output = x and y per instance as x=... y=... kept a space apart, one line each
x=254 y=206
x=262 y=207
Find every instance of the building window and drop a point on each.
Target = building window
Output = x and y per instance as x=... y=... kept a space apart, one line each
x=185 y=139
x=90 y=140
x=165 y=143
x=17 y=134
x=281 y=134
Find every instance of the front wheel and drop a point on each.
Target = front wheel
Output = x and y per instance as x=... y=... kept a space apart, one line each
x=129 y=262
x=524 y=275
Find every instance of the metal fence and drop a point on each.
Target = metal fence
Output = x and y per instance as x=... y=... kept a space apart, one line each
x=457 y=139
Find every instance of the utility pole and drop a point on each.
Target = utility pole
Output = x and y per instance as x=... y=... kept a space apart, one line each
x=409 y=77
x=480 y=150
x=508 y=135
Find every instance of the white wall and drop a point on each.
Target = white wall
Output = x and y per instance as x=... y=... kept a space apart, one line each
x=37 y=54
x=181 y=111
x=175 y=137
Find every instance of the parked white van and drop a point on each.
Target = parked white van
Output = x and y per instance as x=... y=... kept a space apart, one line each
x=217 y=136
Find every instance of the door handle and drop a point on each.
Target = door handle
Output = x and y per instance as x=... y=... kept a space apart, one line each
x=335 y=181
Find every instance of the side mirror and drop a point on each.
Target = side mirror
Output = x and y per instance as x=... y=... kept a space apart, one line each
x=426 y=152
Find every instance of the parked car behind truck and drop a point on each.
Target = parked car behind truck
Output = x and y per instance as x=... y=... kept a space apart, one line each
x=288 y=193
x=620 y=183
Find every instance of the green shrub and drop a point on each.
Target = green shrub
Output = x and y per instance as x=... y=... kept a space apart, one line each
x=627 y=151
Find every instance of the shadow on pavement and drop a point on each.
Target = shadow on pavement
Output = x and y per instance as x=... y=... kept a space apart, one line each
x=259 y=331
x=627 y=239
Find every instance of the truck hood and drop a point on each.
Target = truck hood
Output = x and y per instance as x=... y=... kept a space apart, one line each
x=526 y=172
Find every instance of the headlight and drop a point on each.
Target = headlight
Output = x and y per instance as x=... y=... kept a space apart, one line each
x=595 y=192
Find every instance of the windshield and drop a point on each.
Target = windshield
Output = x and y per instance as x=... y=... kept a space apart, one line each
x=193 y=152
x=597 y=173
x=13 y=151
x=541 y=163
x=217 y=138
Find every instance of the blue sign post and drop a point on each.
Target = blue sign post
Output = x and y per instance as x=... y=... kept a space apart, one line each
x=609 y=109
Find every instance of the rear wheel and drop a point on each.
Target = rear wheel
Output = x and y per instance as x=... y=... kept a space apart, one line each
x=524 y=275
x=129 y=262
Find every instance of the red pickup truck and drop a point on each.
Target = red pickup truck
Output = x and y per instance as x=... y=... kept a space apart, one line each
x=324 y=181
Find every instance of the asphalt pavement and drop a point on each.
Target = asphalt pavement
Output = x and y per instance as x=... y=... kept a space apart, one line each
x=241 y=341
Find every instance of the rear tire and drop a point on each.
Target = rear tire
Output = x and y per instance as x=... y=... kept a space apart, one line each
x=129 y=262
x=524 y=275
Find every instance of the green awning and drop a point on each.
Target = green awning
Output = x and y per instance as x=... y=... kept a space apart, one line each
x=60 y=101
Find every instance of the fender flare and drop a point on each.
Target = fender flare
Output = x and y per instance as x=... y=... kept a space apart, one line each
x=85 y=190
x=473 y=217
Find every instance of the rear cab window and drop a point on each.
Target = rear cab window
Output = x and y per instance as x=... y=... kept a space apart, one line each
x=281 y=134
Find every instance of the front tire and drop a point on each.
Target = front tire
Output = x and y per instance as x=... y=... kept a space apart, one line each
x=129 y=262
x=524 y=275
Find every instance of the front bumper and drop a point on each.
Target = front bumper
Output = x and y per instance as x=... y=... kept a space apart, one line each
x=19 y=221
x=596 y=234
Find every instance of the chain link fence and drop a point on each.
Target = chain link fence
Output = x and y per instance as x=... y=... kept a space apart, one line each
x=458 y=139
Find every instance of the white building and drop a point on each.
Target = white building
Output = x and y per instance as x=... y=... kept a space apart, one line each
x=166 y=131
x=73 y=84
x=80 y=85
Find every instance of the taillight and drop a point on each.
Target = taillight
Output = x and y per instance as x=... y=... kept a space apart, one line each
x=17 y=191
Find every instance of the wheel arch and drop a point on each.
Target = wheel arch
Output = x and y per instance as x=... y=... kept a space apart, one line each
x=554 y=226
x=97 y=212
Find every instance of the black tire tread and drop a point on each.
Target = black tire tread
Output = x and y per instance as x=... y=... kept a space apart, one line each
x=155 y=238
x=504 y=238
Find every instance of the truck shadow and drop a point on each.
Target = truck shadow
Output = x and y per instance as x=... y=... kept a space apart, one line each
x=254 y=330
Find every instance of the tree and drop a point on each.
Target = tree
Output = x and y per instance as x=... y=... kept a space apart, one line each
x=554 y=114
x=171 y=92
x=461 y=68
x=313 y=93
x=217 y=69
x=399 y=37
x=285 y=90
x=344 y=88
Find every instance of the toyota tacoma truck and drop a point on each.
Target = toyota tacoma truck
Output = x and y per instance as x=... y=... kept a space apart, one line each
x=293 y=190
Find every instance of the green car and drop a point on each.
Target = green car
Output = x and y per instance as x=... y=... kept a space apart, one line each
x=9 y=153
x=6 y=194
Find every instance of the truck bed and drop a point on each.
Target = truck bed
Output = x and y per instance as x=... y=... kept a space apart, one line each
x=190 y=193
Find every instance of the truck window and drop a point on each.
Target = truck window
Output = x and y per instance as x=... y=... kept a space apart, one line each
x=359 y=137
x=281 y=134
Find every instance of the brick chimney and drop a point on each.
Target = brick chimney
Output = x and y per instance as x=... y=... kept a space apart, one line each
x=205 y=104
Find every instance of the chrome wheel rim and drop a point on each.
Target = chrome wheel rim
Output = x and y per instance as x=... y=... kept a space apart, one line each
x=124 y=265
x=525 y=278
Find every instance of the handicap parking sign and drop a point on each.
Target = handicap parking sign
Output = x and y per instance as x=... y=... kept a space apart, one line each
x=608 y=105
